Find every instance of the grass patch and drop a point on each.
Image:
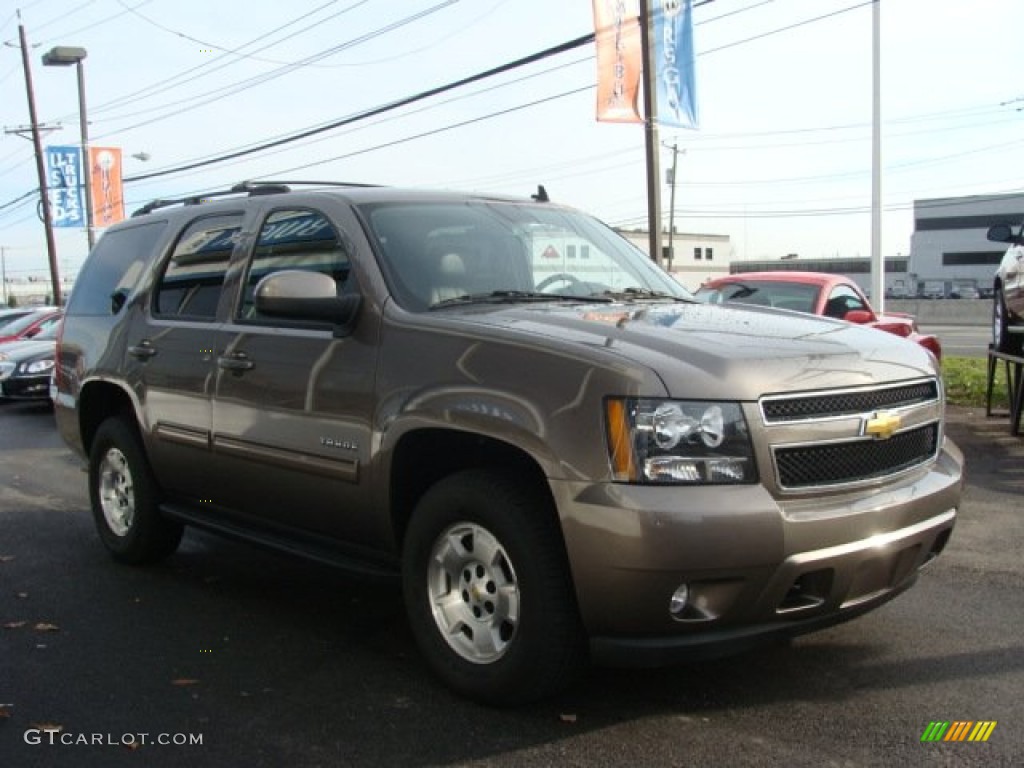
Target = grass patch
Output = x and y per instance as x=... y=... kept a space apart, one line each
x=966 y=379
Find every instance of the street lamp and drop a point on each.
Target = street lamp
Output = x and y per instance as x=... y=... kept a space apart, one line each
x=63 y=56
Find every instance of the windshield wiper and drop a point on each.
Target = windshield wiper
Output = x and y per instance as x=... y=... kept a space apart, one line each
x=644 y=293
x=509 y=296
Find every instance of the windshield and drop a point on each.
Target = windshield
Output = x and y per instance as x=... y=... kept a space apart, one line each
x=440 y=254
x=15 y=327
x=800 y=297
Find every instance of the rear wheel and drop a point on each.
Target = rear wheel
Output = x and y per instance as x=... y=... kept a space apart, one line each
x=488 y=591
x=125 y=497
x=1002 y=339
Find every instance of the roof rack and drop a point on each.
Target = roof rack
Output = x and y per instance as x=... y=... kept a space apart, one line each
x=250 y=188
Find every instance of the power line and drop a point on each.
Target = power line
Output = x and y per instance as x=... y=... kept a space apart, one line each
x=182 y=78
x=229 y=90
x=540 y=55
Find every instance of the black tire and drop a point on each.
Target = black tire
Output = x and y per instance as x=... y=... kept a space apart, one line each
x=1002 y=340
x=125 y=497
x=497 y=658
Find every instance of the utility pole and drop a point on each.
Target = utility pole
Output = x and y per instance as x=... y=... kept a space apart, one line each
x=672 y=203
x=51 y=245
x=651 y=135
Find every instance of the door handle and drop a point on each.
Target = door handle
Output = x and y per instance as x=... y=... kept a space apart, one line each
x=143 y=350
x=235 y=362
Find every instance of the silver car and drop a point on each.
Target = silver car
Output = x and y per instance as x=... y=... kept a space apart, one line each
x=1008 y=292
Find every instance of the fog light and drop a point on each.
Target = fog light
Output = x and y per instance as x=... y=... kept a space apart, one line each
x=680 y=597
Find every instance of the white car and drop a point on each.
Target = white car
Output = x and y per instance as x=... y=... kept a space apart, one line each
x=1008 y=295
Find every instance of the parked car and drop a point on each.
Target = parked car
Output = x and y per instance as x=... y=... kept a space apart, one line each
x=817 y=293
x=26 y=366
x=1008 y=292
x=564 y=457
x=29 y=325
x=964 y=292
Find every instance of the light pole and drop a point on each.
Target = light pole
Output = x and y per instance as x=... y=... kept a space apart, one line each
x=63 y=56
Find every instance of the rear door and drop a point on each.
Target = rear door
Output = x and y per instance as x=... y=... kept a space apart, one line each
x=169 y=352
x=292 y=405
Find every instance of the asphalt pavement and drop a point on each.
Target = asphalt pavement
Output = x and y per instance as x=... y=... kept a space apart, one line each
x=268 y=661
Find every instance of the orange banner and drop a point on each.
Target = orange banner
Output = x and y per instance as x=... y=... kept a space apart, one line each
x=619 y=60
x=105 y=186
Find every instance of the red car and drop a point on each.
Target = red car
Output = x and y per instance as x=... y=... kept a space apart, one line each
x=817 y=293
x=27 y=326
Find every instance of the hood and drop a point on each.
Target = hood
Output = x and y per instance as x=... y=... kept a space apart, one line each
x=717 y=352
x=19 y=351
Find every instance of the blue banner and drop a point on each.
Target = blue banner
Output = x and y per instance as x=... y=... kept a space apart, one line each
x=65 y=182
x=675 y=84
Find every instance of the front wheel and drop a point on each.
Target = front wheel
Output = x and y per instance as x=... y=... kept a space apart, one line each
x=488 y=591
x=125 y=497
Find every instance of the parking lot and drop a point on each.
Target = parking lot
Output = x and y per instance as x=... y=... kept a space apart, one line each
x=269 y=661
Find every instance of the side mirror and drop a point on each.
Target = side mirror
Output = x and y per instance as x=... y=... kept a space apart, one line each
x=299 y=295
x=858 y=316
x=1003 y=233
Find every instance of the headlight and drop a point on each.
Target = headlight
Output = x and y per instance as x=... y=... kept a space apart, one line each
x=678 y=441
x=37 y=366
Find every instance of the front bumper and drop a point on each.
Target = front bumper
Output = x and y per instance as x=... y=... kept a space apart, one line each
x=757 y=568
x=26 y=387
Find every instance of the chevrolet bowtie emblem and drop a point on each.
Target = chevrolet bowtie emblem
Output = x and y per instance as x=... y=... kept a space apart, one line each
x=882 y=424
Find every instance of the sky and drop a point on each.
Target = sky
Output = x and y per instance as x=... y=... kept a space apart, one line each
x=780 y=162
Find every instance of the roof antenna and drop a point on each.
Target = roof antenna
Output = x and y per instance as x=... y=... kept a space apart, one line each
x=542 y=195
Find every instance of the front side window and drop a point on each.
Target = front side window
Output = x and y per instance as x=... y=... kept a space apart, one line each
x=193 y=278
x=294 y=239
x=841 y=300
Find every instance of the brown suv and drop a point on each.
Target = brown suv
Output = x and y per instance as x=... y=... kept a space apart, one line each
x=564 y=455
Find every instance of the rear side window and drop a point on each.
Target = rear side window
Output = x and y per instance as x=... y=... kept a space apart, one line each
x=113 y=269
x=193 y=278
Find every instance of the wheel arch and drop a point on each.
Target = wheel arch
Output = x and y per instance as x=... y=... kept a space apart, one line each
x=98 y=401
x=424 y=456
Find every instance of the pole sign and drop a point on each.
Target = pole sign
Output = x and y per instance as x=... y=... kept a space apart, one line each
x=64 y=174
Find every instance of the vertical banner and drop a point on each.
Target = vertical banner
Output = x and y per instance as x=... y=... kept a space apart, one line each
x=105 y=184
x=64 y=182
x=675 y=84
x=619 y=65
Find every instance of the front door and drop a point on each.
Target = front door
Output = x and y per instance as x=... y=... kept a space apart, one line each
x=292 y=405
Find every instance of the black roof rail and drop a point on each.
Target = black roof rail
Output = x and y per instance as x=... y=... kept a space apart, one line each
x=296 y=183
x=250 y=188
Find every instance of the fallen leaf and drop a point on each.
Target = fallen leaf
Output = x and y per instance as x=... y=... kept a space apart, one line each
x=4 y=712
x=132 y=746
x=183 y=681
x=567 y=718
x=43 y=626
x=23 y=594
x=6 y=558
x=15 y=624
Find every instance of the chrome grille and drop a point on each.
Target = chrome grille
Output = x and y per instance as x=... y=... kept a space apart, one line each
x=854 y=461
x=847 y=403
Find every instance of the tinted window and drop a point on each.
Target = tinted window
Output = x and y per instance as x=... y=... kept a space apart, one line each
x=114 y=266
x=294 y=239
x=193 y=277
